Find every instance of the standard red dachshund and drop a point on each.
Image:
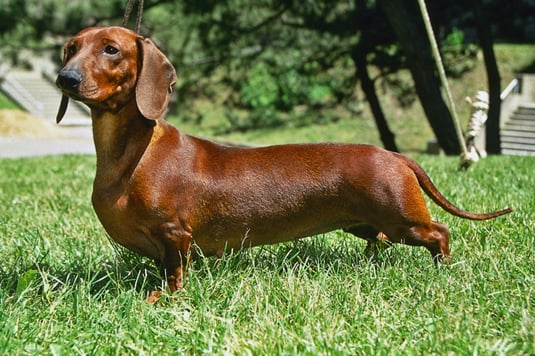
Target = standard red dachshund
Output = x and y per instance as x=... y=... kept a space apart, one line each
x=159 y=192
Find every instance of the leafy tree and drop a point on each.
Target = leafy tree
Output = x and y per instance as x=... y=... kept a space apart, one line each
x=310 y=49
x=493 y=122
x=416 y=46
x=275 y=55
x=348 y=36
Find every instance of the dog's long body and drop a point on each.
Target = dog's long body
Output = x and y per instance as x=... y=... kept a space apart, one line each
x=158 y=191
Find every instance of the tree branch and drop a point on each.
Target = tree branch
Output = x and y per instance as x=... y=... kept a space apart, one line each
x=254 y=28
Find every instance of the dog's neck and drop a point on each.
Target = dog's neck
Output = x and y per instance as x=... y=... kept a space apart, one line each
x=120 y=139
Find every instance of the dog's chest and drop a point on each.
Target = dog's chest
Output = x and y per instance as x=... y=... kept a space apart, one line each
x=123 y=221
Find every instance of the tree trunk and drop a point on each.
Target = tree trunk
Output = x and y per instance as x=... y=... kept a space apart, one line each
x=492 y=130
x=407 y=23
x=368 y=87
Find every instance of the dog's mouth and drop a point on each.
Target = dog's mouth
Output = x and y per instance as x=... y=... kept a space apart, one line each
x=79 y=94
x=73 y=84
x=71 y=93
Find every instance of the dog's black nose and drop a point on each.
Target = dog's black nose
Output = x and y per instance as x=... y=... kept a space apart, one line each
x=69 y=79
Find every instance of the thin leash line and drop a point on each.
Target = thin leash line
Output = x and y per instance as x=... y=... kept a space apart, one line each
x=139 y=16
x=128 y=11
x=442 y=75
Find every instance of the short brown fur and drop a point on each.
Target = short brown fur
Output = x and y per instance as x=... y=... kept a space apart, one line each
x=158 y=191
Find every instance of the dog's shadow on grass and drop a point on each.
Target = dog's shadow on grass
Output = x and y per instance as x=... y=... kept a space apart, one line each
x=128 y=272
x=308 y=258
x=96 y=278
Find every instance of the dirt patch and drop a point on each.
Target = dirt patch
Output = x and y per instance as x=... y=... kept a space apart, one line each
x=16 y=123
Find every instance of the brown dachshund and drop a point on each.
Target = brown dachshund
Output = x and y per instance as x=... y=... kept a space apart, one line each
x=159 y=192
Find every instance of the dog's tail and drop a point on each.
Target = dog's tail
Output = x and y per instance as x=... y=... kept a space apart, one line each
x=431 y=190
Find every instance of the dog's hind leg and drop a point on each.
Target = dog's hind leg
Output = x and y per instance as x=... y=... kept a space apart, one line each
x=377 y=241
x=436 y=240
x=433 y=236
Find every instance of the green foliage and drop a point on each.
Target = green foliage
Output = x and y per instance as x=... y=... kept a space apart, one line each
x=259 y=92
x=63 y=288
x=458 y=56
x=267 y=92
x=43 y=26
x=279 y=60
x=455 y=39
x=305 y=48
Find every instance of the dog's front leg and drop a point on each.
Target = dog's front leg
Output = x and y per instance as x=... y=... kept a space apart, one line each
x=175 y=256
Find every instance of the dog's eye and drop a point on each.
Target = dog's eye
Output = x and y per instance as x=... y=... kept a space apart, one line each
x=111 y=50
x=71 y=50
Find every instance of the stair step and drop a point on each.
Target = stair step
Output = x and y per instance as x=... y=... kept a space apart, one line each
x=525 y=111
x=518 y=133
x=519 y=127
x=521 y=120
x=523 y=117
x=513 y=152
x=44 y=91
x=518 y=146
x=517 y=122
x=519 y=140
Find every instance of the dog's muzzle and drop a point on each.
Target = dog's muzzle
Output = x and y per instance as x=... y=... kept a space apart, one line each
x=69 y=79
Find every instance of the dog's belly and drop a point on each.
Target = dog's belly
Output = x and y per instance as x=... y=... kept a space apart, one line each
x=215 y=237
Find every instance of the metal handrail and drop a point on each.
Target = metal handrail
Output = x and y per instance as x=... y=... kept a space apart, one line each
x=509 y=88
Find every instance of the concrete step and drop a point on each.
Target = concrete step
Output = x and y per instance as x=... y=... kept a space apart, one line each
x=515 y=152
x=530 y=113
x=518 y=149
x=523 y=118
x=518 y=140
x=41 y=97
x=519 y=127
x=527 y=106
x=518 y=133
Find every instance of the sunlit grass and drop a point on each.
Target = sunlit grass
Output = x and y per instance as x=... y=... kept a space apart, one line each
x=63 y=287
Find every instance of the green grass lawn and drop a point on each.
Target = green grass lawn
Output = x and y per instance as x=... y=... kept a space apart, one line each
x=6 y=103
x=64 y=289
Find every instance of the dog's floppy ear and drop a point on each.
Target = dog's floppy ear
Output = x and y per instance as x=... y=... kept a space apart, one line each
x=155 y=80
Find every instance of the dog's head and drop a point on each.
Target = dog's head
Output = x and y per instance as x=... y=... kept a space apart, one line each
x=107 y=67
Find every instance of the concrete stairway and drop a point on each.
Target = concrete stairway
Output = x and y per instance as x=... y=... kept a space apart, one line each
x=518 y=133
x=37 y=94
